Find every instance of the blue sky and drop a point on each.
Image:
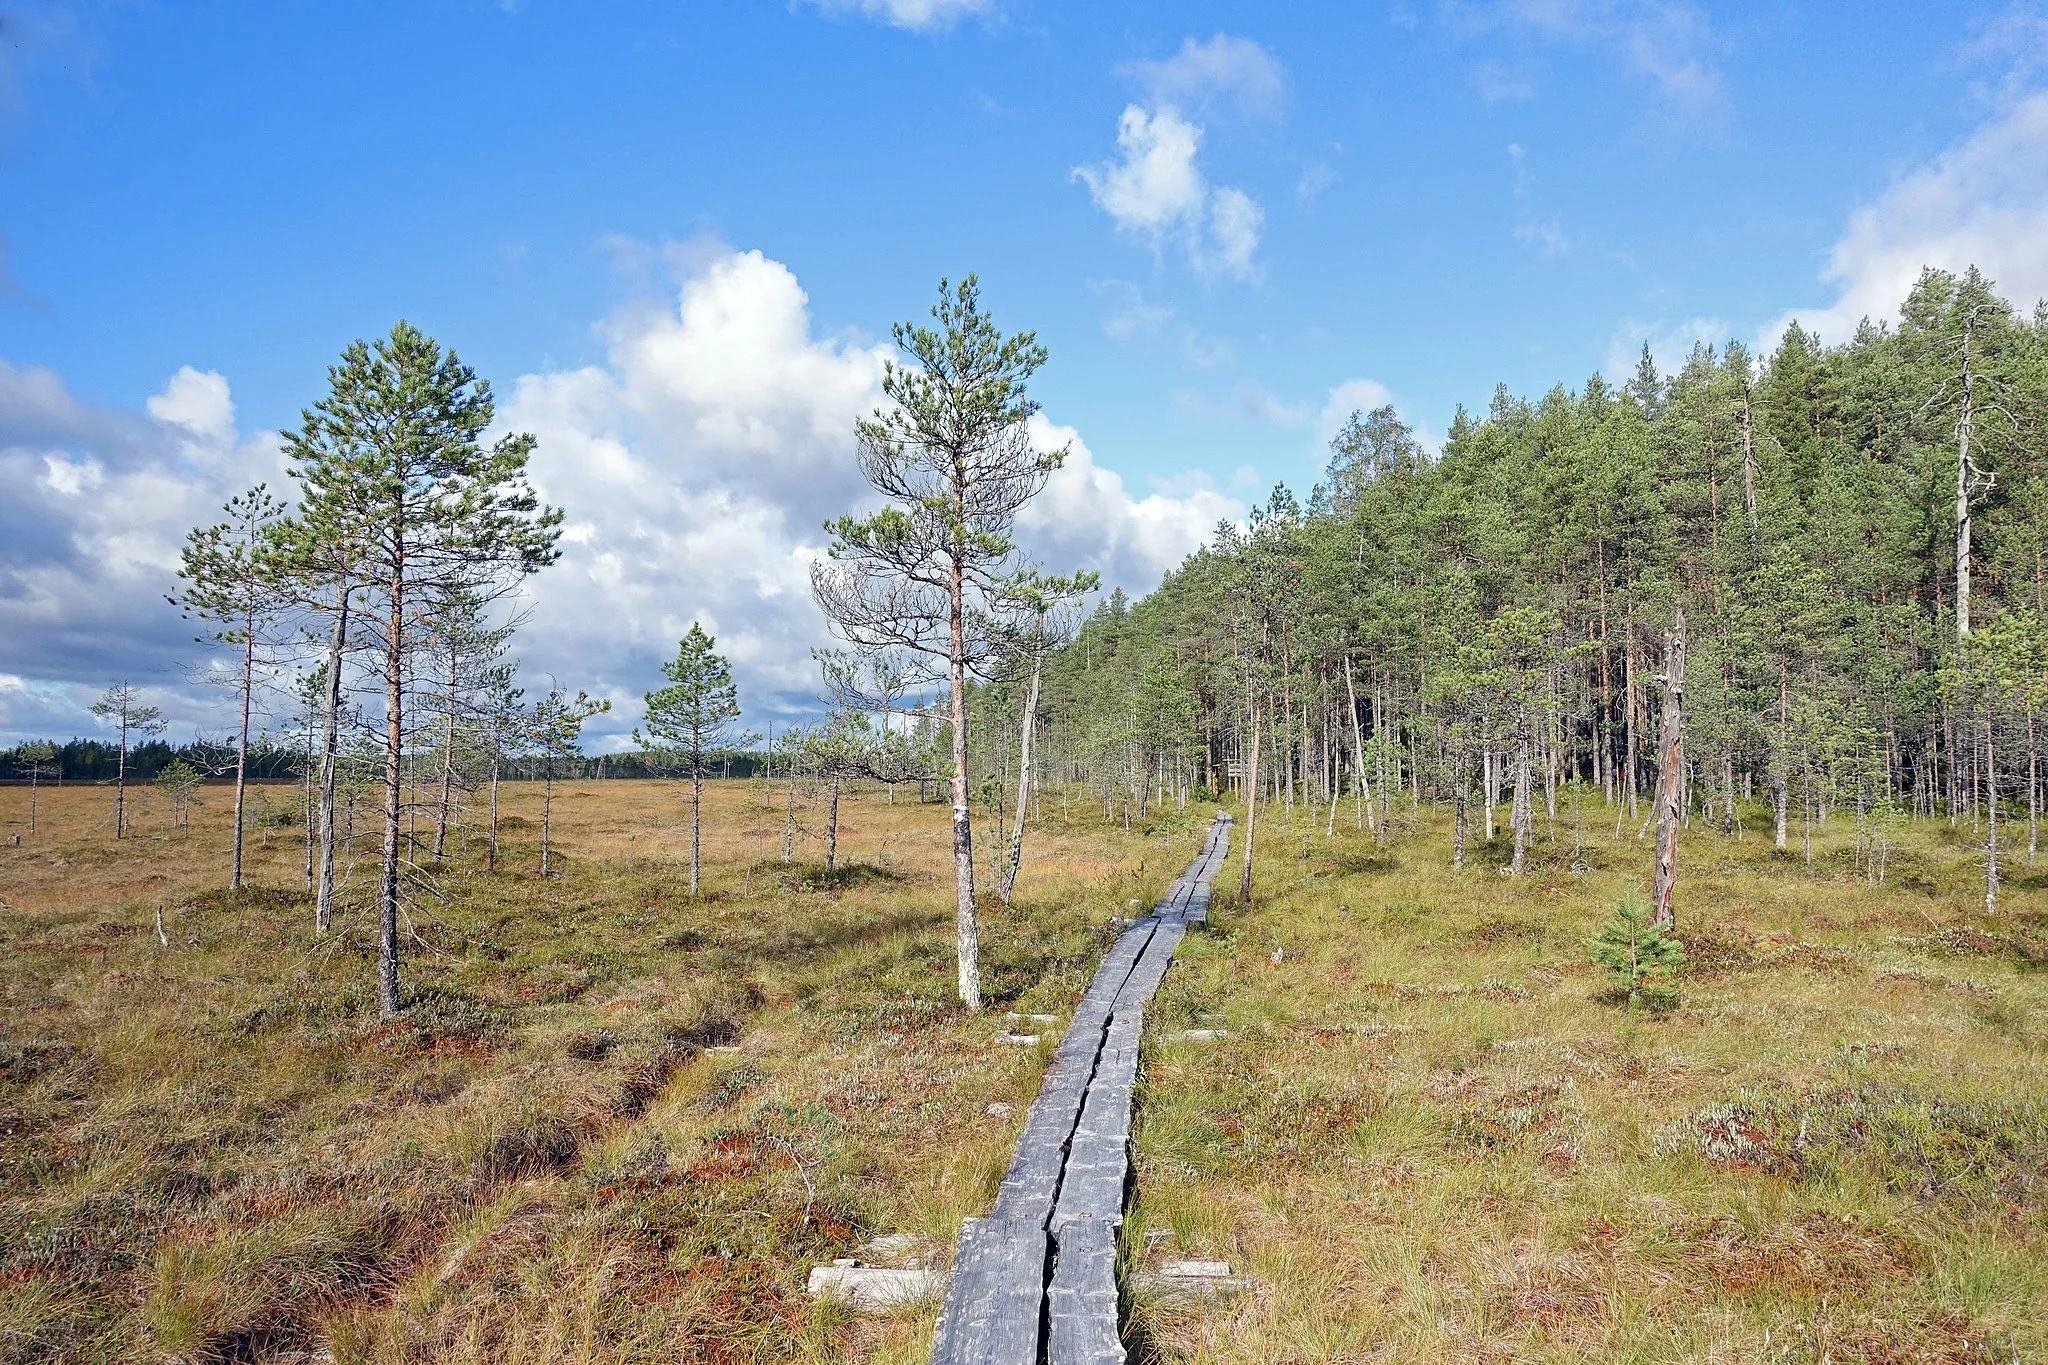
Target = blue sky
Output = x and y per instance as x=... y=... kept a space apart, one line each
x=1229 y=224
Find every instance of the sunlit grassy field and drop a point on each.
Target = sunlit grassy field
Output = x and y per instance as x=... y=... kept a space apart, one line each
x=1434 y=1137
x=621 y=1123
x=618 y=1122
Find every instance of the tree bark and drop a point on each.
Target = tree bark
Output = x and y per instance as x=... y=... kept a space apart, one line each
x=491 y=854
x=1629 y=692
x=1521 y=811
x=547 y=810
x=696 y=820
x=1458 y=816
x=966 y=939
x=1009 y=882
x=1363 y=797
x=121 y=781
x=1965 y=424
x=447 y=772
x=242 y=745
x=2033 y=791
x=1991 y=812
x=831 y=828
x=1251 y=812
x=789 y=822
x=388 y=1000
x=323 y=898
x=1781 y=764
x=1670 y=772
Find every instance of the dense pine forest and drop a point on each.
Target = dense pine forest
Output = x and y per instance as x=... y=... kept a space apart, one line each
x=1845 y=543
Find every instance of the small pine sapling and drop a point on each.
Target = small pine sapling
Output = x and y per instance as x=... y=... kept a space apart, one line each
x=1640 y=957
x=178 y=780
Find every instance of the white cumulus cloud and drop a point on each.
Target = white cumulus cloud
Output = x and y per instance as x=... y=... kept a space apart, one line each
x=1983 y=202
x=1154 y=190
x=697 y=463
x=1086 y=517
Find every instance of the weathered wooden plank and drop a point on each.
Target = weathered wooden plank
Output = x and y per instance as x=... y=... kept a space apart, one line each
x=1036 y=1281
x=1081 y=1303
x=994 y=1306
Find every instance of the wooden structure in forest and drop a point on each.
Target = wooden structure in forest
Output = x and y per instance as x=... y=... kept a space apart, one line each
x=1034 y=1283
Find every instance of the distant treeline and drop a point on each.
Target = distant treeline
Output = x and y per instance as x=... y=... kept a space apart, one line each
x=93 y=760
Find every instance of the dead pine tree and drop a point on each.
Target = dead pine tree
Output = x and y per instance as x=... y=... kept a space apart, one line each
x=933 y=572
x=1670 y=777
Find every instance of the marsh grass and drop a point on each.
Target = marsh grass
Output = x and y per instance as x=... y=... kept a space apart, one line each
x=617 y=1122
x=1430 y=1136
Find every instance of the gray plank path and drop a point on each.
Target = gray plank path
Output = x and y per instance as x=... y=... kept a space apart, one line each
x=1034 y=1283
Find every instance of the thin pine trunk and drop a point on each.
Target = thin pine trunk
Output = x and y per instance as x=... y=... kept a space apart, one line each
x=967 y=941
x=323 y=897
x=831 y=828
x=242 y=744
x=121 y=781
x=547 y=808
x=388 y=999
x=1016 y=855
x=447 y=774
x=491 y=856
x=1521 y=812
x=1364 y=793
x=696 y=819
x=1251 y=814
x=1670 y=771
x=1991 y=820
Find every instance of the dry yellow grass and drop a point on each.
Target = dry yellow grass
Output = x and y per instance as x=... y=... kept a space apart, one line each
x=618 y=1123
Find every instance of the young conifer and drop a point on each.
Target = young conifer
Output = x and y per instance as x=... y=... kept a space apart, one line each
x=692 y=719
x=1639 y=957
x=391 y=466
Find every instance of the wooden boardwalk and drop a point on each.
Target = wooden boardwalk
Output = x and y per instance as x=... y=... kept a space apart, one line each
x=1034 y=1283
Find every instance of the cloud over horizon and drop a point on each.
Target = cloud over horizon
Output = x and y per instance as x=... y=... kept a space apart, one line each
x=695 y=465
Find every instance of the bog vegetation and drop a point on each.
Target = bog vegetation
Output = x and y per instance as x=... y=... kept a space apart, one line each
x=1630 y=949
